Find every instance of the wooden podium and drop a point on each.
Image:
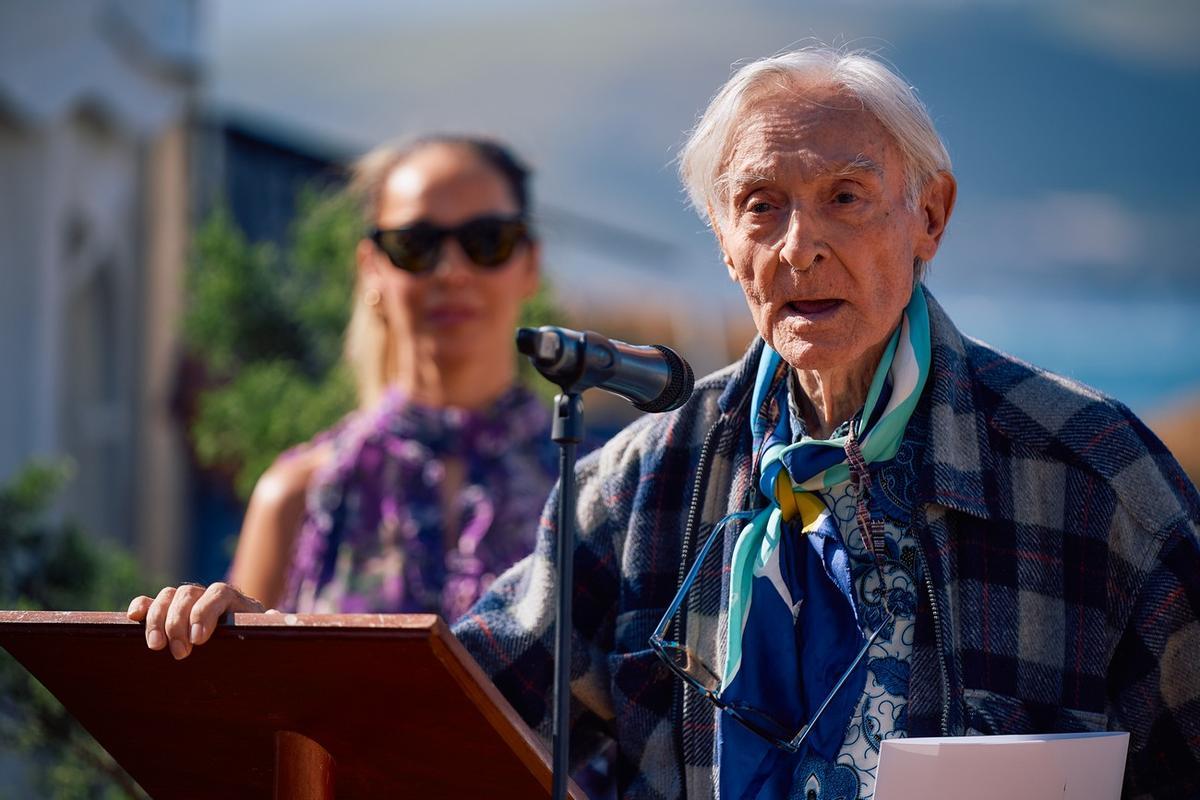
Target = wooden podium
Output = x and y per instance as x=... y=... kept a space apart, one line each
x=288 y=706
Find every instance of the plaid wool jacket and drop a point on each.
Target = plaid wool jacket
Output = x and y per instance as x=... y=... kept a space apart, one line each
x=1059 y=549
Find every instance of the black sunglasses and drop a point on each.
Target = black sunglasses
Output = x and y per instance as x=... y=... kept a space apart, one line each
x=488 y=241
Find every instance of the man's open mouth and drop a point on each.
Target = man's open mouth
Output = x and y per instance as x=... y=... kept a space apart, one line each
x=813 y=308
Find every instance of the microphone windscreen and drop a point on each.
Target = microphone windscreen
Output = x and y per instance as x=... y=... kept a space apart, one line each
x=679 y=384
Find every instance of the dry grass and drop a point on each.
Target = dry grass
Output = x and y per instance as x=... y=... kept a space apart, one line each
x=1179 y=428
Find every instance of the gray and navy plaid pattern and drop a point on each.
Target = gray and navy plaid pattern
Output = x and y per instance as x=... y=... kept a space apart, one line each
x=1060 y=543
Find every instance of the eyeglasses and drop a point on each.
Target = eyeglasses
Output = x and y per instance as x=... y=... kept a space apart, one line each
x=689 y=666
x=488 y=241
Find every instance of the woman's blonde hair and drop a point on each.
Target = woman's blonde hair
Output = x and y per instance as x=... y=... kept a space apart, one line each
x=370 y=347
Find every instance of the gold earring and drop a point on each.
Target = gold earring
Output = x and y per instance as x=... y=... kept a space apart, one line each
x=372 y=297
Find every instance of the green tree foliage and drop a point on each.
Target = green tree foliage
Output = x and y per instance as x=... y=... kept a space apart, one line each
x=268 y=326
x=51 y=565
x=538 y=310
x=270 y=406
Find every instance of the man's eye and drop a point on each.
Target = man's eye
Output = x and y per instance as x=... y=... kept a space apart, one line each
x=760 y=207
x=845 y=198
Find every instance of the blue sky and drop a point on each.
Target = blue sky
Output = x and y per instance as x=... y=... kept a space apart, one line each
x=1071 y=125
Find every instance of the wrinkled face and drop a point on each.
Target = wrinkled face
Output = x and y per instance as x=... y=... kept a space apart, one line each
x=816 y=229
x=459 y=311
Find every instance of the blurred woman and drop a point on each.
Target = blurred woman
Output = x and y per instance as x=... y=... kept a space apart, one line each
x=415 y=501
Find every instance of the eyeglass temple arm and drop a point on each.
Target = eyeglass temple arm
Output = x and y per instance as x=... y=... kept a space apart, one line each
x=799 y=738
x=665 y=622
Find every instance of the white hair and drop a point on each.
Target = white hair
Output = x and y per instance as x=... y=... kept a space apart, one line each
x=705 y=155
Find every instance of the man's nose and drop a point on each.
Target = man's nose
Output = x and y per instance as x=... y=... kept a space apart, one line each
x=801 y=246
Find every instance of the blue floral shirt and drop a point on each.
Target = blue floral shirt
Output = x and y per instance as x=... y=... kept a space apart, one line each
x=881 y=712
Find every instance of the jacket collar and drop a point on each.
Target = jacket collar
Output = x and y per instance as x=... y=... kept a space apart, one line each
x=948 y=435
x=743 y=377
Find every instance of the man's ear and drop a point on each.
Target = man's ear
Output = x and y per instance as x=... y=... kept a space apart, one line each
x=715 y=224
x=937 y=204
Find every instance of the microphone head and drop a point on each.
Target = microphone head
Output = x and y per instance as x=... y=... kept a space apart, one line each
x=679 y=385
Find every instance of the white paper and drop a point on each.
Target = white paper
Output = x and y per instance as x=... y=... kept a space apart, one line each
x=1060 y=766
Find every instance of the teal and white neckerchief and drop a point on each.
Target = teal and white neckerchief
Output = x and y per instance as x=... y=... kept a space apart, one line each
x=792 y=618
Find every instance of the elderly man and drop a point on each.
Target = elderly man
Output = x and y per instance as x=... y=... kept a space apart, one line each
x=869 y=527
x=1023 y=550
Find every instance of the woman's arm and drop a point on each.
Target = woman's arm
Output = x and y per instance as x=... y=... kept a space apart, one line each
x=264 y=550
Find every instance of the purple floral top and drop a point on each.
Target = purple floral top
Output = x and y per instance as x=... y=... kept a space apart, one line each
x=372 y=537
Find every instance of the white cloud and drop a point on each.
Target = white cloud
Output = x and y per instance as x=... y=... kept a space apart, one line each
x=1162 y=33
x=1082 y=228
x=1055 y=229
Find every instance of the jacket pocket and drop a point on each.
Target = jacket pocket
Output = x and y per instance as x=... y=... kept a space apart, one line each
x=641 y=686
x=991 y=713
x=640 y=681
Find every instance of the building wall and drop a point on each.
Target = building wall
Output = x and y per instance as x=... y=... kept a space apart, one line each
x=95 y=102
x=88 y=262
x=20 y=223
x=162 y=475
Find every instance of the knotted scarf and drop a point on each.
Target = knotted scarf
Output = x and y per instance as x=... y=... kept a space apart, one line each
x=794 y=623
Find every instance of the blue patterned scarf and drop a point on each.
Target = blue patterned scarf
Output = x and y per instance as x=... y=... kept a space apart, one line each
x=793 y=620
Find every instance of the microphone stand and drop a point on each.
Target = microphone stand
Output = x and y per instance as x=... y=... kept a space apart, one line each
x=567 y=432
x=578 y=361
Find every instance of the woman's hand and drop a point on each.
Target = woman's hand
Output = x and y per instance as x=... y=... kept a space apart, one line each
x=184 y=616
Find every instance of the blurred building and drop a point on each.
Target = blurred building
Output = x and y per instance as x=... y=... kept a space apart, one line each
x=258 y=172
x=95 y=108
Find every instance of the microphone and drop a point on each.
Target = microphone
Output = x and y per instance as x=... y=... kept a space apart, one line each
x=653 y=378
